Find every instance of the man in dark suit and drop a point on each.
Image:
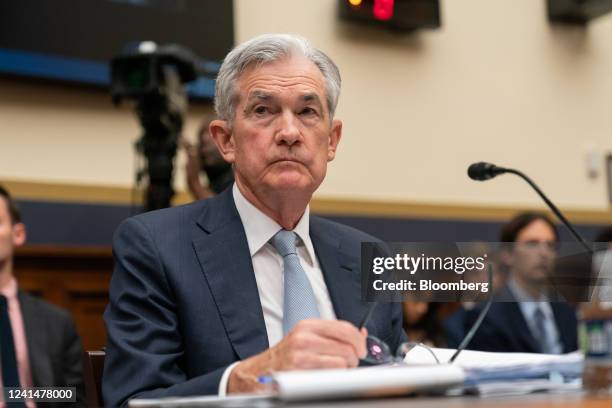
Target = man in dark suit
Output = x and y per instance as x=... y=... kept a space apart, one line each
x=209 y=297
x=525 y=316
x=39 y=345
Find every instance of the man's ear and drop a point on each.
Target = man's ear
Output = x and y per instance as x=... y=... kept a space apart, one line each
x=222 y=134
x=19 y=234
x=334 y=139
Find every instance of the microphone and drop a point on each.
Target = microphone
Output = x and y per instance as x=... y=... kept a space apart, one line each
x=483 y=171
x=468 y=337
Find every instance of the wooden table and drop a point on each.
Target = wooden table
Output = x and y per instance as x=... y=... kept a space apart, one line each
x=573 y=400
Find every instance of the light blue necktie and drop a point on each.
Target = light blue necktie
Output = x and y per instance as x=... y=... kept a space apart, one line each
x=542 y=335
x=299 y=301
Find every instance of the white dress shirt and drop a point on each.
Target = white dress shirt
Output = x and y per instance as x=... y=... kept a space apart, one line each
x=528 y=306
x=268 y=269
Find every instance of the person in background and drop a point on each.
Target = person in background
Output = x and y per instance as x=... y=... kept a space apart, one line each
x=525 y=317
x=39 y=344
x=605 y=237
x=205 y=158
x=422 y=322
x=602 y=259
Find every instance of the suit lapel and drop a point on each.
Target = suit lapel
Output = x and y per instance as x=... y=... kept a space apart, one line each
x=36 y=338
x=224 y=256
x=340 y=271
x=566 y=326
x=517 y=325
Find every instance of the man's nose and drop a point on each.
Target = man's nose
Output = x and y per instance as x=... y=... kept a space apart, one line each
x=288 y=131
x=546 y=249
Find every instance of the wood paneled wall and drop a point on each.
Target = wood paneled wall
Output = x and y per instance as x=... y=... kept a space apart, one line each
x=73 y=278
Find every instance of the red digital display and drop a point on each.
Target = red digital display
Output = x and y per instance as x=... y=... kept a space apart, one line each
x=397 y=15
x=383 y=9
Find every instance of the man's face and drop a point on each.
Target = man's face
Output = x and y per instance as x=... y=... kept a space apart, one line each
x=533 y=255
x=11 y=236
x=282 y=136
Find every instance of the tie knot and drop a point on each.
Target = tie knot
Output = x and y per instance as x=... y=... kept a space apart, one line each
x=284 y=242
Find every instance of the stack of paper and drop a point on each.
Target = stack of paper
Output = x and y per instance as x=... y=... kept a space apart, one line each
x=330 y=384
x=238 y=401
x=510 y=373
x=366 y=382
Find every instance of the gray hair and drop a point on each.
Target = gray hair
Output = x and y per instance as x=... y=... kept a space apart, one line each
x=265 y=49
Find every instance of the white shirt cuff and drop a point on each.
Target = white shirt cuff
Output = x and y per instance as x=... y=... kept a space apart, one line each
x=225 y=379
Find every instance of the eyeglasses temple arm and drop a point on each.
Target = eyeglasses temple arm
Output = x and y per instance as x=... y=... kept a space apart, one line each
x=368 y=314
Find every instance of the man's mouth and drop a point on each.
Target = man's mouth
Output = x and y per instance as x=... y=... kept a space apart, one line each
x=287 y=159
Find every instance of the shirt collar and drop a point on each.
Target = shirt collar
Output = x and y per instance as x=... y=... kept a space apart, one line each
x=527 y=303
x=522 y=295
x=259 y=228
x=10 y=288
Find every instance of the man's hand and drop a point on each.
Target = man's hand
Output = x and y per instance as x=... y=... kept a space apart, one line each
x=311 y=344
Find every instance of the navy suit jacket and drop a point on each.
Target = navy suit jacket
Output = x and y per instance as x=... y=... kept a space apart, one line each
x=184 y=302
x=505 y=328
x=54 y=348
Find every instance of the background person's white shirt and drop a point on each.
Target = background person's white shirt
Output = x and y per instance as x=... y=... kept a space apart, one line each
x=268 y=269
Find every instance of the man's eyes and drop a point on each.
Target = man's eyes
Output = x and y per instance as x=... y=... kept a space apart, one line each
x=532 y=244
x=308 y=111
x=263 y=110
x=260 y=110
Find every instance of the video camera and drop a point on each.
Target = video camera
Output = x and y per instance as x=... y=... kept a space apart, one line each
x=153 y=76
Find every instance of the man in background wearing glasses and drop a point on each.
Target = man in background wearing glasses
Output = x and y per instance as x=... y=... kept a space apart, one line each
x=524 y=318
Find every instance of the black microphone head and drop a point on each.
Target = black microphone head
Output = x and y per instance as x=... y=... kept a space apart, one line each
x=482 y=171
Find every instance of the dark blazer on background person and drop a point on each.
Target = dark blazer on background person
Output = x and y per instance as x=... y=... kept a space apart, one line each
x=184 y=302
x=54 y=347
x=454 y=327
x=505 y=329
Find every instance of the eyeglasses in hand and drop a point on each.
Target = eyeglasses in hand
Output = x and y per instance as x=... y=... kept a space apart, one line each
x=379 y=352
